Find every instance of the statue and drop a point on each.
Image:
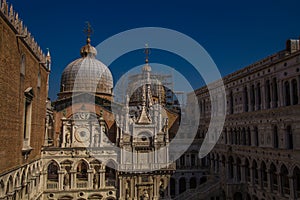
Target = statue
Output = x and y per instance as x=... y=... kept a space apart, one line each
x=66 y=180
x=145 y=195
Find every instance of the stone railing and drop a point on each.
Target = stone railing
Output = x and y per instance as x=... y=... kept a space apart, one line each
x=147 y=167
x=51 y=186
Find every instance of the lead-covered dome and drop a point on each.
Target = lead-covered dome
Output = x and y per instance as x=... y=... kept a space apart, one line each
x=86 y=75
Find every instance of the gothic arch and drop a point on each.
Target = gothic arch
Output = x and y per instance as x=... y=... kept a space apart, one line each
x=75 y=164
x=17 y=179
x=50 y=162
x=9 y=185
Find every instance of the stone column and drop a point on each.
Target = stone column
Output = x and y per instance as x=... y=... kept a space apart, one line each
x=243 y=178
x=61 y=179
x=280 y=187
x=102 y=178
x=73 y=179
x=292 y=187
x=269 y=189
x=90 y=178
x=135 y=188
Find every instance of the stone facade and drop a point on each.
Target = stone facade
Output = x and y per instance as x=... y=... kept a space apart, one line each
x=24 y=71
x=257 y=155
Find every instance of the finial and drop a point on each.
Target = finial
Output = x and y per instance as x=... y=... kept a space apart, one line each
x=88 y=31
x=147 y=53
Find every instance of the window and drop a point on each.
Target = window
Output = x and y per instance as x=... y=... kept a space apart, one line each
x=289 y=137
x=82 y=171
x=53 y=172
x=256 y=140
x=258 y=97
x=193 y=160
x=246 y=103
x=252 y=97
x=27 y=119
x=275 y=137
x=268 y=94
x=275 y=92
x=294 y=92
x=182 y=160
x=287 y=93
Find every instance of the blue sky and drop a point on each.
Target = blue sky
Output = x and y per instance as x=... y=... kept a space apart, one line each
x=234 y=33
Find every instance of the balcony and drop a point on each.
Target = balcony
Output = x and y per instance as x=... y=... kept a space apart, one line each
x=52 y=186
x=82 y=184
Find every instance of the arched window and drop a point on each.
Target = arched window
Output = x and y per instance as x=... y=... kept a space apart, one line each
x=193 y=160
x=275 y=92
x=258 y=97
x=182 y=185
x=264 y=177
x=193 y=183
x=268 y=94
x=249 y=136
x=225 y=136
x=252 y=97
x=255 y=172
x=289 y=137
x=172 y=187
x=294 y=92
x=182 y=160
x=246 y=102
x=230 y=168
x=244 y=136
x=273 y=178
x=285 y=180
x=53 y=172
x=82 y=174
x=256 y=138
x=275 y=137
x=287 y=93
x=231 y=103
x=247 y=171
x=238 y=169
x=296 y=176
x=110 y=175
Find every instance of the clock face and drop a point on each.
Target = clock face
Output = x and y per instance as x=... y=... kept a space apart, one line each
x=82 y=134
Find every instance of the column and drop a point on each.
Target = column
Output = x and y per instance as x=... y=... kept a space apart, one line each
x=292 y=190
x=269 y=181
x=90 y=178
x=243 y=178
x=279 y=184
x=102 y=178
x=73 y=178
x=60 y=179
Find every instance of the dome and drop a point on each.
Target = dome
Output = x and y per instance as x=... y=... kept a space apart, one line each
x=86 y=75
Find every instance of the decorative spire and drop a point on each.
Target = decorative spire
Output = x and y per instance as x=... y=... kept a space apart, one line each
x=88 y=31
x=88 y=49
x=147 y=53
x=48 y=60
